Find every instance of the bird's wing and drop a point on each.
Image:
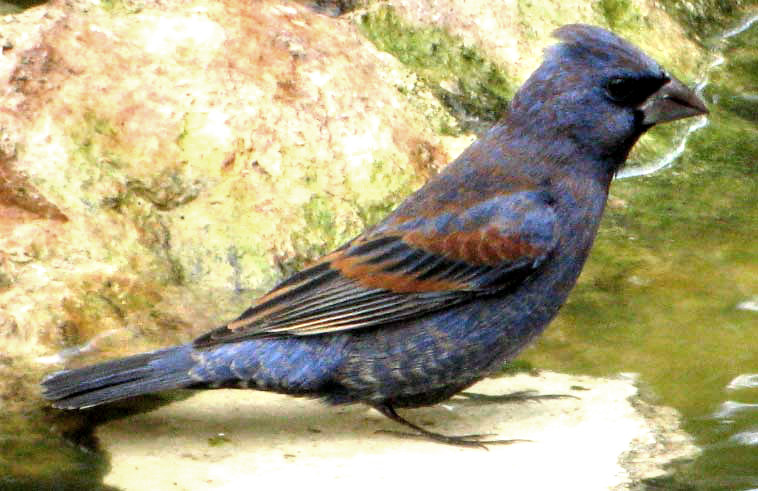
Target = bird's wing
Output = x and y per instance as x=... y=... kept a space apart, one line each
x=406 y=268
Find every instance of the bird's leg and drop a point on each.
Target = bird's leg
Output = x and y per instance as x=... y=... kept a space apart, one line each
x=520 y=396
x=460 y=440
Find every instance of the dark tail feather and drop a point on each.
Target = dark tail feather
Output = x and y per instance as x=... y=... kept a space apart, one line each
x=118 y=379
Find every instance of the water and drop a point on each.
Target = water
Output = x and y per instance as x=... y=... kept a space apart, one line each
x=670 y=292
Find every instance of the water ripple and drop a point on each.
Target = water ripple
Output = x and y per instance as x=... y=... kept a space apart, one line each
x=745 y=438
x=744 y=381
x=730 y=409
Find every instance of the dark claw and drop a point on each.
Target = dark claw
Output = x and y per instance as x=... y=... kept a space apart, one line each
x=470 y=441
x=524 y=395
x=459 y=440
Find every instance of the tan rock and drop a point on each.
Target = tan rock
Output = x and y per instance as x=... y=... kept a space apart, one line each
x=229 y=439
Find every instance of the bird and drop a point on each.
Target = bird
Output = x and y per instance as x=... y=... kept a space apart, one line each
x=453 y=283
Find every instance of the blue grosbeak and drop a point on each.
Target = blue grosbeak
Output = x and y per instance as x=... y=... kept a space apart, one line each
x=459 y=278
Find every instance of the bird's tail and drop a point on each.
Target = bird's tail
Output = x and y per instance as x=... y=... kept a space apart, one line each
x=118 y=379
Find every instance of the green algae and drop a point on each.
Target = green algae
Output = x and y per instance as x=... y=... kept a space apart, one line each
x=616 y=12
x=517 y=366
x=387 y=187
x=100 y=158
x=17 y=6
x=167 y=191
x=423 y=101
x=43 y=448
x=6 y=281
x=364 y=199
x=8 y=8
x=123 y=211
x=218 y=440
x=35 y=457
x=92 y=157
x=473 y=88
x=703 y=19
x=318 y=236
x=122 y=7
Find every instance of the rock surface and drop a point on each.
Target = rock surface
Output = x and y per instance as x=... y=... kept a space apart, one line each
x=163 y=162
x=231 y=439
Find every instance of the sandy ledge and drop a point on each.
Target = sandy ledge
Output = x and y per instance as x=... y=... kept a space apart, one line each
x=606 y=439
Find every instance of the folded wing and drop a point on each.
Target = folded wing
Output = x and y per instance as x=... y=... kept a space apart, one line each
x=404 y=269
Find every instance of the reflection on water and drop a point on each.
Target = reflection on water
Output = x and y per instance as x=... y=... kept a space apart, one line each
x=35 y=455
x=669 y=158
x=730 y=409
x=746 y=381
x=746 y=438
x=670 y=289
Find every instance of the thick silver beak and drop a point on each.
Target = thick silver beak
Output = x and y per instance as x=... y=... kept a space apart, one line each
x=672 y=101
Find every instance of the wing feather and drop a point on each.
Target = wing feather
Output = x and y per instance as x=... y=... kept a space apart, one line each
x=405 y=270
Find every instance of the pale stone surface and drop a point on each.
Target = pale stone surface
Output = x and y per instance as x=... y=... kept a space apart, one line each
x=605 y=439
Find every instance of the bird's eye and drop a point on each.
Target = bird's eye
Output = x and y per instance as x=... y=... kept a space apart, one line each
x=620 y=89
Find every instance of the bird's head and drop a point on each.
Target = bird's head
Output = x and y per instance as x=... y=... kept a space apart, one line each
x=598 y=92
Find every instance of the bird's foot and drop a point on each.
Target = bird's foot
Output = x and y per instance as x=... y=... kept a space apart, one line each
x=476 y=440
x=524 y=395
x=471 y=441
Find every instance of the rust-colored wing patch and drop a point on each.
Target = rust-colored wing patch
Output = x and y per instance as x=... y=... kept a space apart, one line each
x=405 y=270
